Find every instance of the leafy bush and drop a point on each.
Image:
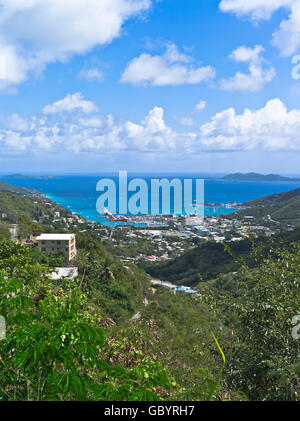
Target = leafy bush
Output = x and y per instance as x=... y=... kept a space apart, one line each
x=54 y=340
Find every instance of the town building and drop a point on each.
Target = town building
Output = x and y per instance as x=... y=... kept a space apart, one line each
x=53 y=243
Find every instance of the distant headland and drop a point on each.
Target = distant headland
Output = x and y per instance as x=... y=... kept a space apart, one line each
x=257 y=177
x=38 y=177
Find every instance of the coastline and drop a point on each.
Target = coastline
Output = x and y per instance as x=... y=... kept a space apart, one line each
x=79 y=195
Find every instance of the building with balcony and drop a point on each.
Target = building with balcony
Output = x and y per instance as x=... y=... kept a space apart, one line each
x=53 y=243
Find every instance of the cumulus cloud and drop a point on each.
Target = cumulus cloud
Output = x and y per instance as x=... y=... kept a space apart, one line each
x=34 y=33
x=258 y=75
x=272 y=128
x=201 y=106
x=152 y=134
x=71 y=103
x=256 y=9
x=75 y=125
x=171 y=68
x=287 y=36
x=93 y=74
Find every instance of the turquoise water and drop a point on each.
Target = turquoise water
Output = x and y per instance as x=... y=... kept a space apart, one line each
x=78 y=193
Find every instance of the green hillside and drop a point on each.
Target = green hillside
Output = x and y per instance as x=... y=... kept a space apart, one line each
x=205 y=262
x=258 y=305
x=208 y=260
x=109 y=335
x=282 y=207
x=5 y=187
x=17 y=206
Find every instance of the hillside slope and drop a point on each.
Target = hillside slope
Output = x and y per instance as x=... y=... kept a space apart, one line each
x=208 y=260
x=16 y=206
x=282 y=207
x=5 y=187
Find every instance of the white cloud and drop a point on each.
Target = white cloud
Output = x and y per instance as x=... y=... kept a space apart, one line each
x=287 y=37
x=18 y=123
x=187 y=121
x=94 y=121
x=13 y=67
x=171 y=68
x=256 y=9
x=69 y=104
x=258 y=74
x=152 y=134
x=93 y=74
x=66 y=126
x=34 y=33
x=201 y=106
x=272 y=127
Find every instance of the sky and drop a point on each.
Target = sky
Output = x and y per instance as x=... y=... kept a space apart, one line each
x=92 y=86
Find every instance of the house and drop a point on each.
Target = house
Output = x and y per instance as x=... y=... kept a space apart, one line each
x=183 y=288
x=64 y=273
x=53 y=243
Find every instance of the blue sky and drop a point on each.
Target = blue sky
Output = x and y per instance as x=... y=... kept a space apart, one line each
x=141 y=85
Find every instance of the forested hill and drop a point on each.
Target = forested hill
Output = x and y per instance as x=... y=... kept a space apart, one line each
x=205 y=261
x=5 y=187
x=278 y=198
x=282 y=207
x=17 y=206
x=208 y=260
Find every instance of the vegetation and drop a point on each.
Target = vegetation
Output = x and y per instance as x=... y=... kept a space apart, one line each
x=54 y=342
x=4 y=231
x=283 y=208
x=5 y=187
x=56 y=347
x=17 y=207
x=209 y=259
x=109 y=335
x=119 y=290
x=259 y=305
x=203 y=262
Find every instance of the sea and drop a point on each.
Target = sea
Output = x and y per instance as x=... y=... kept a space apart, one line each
x=78 y=194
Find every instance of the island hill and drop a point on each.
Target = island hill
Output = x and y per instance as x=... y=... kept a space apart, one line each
x=38 y=177
x=258 y=177
x=252 y=176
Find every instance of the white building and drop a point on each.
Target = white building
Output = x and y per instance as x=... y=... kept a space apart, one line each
x=64 y=273
x=52 y=243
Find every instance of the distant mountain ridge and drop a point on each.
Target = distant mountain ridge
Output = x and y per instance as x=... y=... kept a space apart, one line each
x=252 y=176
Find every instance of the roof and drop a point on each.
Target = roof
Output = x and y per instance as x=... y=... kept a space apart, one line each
x=45 y=237
x=183 y=288
x=68 y=273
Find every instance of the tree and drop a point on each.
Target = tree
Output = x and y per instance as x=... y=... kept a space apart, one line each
x=265 y=360
x=53 y=343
